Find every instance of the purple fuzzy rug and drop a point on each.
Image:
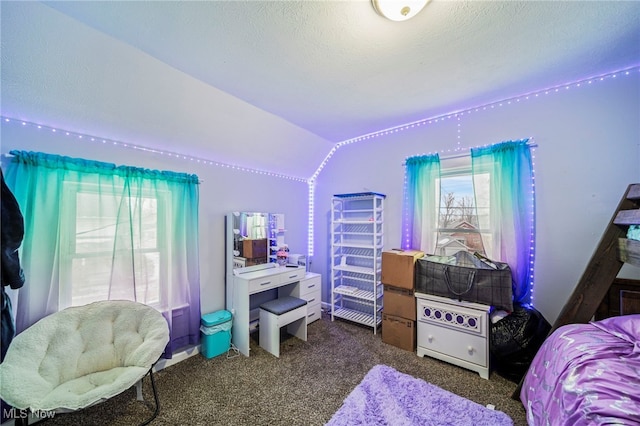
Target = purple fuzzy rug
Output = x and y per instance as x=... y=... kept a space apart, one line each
x=387 y=397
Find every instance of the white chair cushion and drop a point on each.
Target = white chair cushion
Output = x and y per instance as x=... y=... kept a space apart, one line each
x=82 y=355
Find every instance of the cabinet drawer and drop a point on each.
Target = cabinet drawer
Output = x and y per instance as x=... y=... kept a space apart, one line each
x=312 y=297
x=310 y=285
x=264 y=283
x=292 y=275
x=457 y=344
x=314 y=312
x=453 y=315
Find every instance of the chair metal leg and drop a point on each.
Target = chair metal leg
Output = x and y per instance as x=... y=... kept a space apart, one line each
x=138 y=386
x=22 y=421
x=155 y=397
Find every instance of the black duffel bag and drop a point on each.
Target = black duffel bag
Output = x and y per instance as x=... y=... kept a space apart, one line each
x=515 y=340
x=466 y=276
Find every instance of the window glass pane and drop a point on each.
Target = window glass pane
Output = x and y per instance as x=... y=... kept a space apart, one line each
x=148 y=277
x=96 y=219
x=97 y=223
x=146 y=236
x=457 y=202
x=458 y=219
x=101 y=263
x=483 y=198
x=89 y=277
x=94 y=278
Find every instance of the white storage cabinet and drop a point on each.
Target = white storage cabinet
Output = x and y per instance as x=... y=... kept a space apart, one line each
x=454 y=332
x=357 y=240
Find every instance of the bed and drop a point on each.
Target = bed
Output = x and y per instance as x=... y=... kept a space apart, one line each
x=586 y=374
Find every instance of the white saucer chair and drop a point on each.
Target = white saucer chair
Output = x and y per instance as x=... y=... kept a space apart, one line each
x=82 y=356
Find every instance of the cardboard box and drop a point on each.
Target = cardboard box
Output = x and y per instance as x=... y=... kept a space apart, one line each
x=399 y=302
x=399 y=332
x=255 y=261
x=253 y=249
x=398 y=267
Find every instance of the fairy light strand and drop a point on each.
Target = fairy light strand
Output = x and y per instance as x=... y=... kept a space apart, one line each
x=170 y=154
x=310 y=231
x=585 y=82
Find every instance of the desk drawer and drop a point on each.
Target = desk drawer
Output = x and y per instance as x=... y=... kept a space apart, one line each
x=292 y=275
x=312 y=297
x=314 y=312
x=264 y=283
x=310 y=285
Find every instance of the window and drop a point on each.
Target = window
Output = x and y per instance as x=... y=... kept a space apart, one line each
x=97 y=262
x=460 y=211
x=502 y=196
x=97 y=231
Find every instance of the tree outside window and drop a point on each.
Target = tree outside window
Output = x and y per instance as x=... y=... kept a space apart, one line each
x=458 y=224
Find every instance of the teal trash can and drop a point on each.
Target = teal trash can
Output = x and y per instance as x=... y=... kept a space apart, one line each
x=215 y=329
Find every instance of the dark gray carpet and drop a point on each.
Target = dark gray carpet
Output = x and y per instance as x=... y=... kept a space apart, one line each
x=305 y=386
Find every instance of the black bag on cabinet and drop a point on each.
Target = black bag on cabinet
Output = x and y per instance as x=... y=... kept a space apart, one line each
x=466 y=276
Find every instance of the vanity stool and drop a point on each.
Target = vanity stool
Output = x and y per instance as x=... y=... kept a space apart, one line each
x=277 y=313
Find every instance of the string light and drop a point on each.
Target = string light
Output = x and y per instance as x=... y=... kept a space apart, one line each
x=310 y=233
x=532 y=242
x=324 y=162
x=170 y=154
x=384 y=132
x=500 y=103
x=585 y=82
x=406 y=219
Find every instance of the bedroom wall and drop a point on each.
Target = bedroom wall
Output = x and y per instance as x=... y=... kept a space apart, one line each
x=105 y=88
x=222 y=191
x=588 y=145
x=59 y=72
x=588 y=153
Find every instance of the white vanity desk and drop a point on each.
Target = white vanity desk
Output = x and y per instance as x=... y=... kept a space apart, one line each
x=255 y=279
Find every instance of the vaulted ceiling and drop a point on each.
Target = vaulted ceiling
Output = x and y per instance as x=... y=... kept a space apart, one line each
x=340 y=70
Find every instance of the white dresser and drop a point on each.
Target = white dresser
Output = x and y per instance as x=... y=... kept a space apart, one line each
x=455 y=332
x=247 y=282
x=310 y=289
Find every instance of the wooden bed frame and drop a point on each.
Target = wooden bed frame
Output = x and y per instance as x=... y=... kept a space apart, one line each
x=613 y=251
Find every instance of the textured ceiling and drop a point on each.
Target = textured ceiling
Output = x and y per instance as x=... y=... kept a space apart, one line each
x=339 y=70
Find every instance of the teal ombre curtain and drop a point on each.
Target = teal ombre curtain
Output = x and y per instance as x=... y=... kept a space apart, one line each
x=421 y=203
x=503 y=180
x=97 y=231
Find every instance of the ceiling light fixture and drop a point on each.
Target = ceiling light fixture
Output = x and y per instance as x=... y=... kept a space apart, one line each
x=399 y=10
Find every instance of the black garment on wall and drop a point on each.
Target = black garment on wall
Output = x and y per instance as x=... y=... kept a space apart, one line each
x=12 y=227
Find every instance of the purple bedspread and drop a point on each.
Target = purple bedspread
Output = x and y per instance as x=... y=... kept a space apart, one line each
x=586 y=374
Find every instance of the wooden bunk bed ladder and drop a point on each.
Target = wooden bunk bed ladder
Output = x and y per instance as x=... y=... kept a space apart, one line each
x=611 y=253
x=606 y=262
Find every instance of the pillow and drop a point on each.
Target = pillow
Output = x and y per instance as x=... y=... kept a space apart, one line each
x=626 y=327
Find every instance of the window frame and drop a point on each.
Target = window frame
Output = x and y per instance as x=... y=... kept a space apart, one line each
x=68 y=241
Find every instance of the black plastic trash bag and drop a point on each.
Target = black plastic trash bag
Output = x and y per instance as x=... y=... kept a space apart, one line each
x=515 y=339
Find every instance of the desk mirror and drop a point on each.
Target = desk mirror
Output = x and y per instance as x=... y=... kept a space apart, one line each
x=253 y=238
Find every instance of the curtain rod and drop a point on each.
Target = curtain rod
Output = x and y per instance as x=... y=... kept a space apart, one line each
x=468 y=152
x=9 y=155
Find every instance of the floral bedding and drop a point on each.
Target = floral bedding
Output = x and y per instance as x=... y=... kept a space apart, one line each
x=586 y=374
